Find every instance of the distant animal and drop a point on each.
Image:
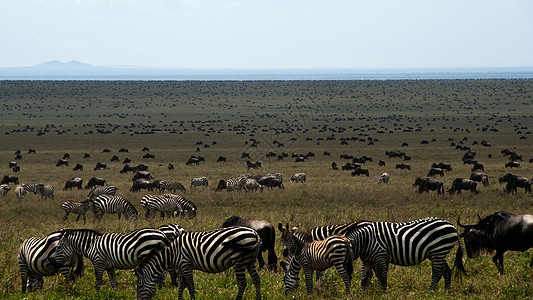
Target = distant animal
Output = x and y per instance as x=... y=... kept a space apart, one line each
x=201 y=181
x=193 y=160
x=403 y=166
x=100 y=165
x=512 y=164
x=271 y=182
x=78 y=167
x=334 y=166
x=514 y=182
x=94 y=181
x=166 y=206
x=251 y=184
x=268 y=237
x=62 y=162
x=436 y=171
x=480 y=177
x=20 y=191
x=110 y=190
x=148 y=156
x=114 y=158
x=7 y=179
x=384 y=178
x=426 y=184
x=245 y=155
x=441 y=165
x=106 y=204
x=499 y=232
x=298 y=177
x=141 y=175
x=4 y=188
x=381 y=163
x=188 y=207
x=76 y=207
x=73 y=182
x=221 y=159
x=127 y=168
x=140 y=184
x=170 y=167
x=253 y=165
x=360 y=171
x=478 y=167
x=463 y=184
x=171 y=185
x=46 y=191
x=221 y=185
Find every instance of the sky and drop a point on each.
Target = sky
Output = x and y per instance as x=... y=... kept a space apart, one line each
x=252 y=34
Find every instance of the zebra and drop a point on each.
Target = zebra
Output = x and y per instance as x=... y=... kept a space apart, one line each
x=165 y=205
x=170 y=186
x=306 y=253
x=186 y=205
x=236 y=184
x=109 y=190
x=384 y=178
x=45 y=191
x=75 y=207
x=202 y=181
x=109 y=251
x=298 y=177
x=35 y=261
x=406 y=244
x=111 y=205
x=172 y=231
x=20 y=191
x=4 y=188
x=212 y=252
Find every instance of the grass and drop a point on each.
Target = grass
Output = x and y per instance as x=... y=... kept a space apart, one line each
x=307 y=116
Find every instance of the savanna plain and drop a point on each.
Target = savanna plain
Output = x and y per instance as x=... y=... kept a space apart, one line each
x=430 y=120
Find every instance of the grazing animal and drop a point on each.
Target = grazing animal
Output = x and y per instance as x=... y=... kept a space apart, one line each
x=512 y=164
x=384 y=178
x=170 y=167
x=7 y=179
x=73 y=182
x=20 y=191
x=480 y=177
x=334 y=166
x=478 y=167
x=141 y=175
x=62 y=162
x=114 y=158
x=148 y=156
x=499 y=232
x=251 y=184
x=192 y=160
x=221 y=159
x=211 y=251
x=271 y=182
x=266 y=232
x=187 y=206
x=164 y=205
x=406 y=244
x=381 y=163
x=426 y=184
x=298 y=177
x=35 y=259
x=94 y=182
x=360 y=171
x=105 y=204
x=46 y=191
x=140 y=184
x=514 y=182
x=201 y=181
x=441 y=165
x=100 y=165
x=78 y=208
x=235 y=184
x=127 y=168
x=436 y=171
x=109 y=251
x=78 y=167
x=170 y=185
x=221 y=185
x=463 y=184
x=253 y=165
x=110 y=190
x=403 y=166
x=4 y=188
x=309 y=255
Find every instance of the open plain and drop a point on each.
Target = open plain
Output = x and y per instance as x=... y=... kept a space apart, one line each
x=431 y=121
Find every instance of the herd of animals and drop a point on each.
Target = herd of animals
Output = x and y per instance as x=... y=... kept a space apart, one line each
x=153 y=252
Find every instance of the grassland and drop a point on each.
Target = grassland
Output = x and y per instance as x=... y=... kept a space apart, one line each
x=171 y=118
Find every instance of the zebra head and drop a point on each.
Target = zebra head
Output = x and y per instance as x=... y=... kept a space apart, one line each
x=146 y=283
x=291 y=276
x=64 y=249
x=287 y=238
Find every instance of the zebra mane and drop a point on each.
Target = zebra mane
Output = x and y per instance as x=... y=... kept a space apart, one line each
x=304 y=236
x=157 y=249
x=232 y=221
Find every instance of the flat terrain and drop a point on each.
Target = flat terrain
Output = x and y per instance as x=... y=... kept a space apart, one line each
x=429 y=120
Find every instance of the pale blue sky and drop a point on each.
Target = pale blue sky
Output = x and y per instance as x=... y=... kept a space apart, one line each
x=268 y=33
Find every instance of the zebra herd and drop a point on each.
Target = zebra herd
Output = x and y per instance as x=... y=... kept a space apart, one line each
x=153 y=252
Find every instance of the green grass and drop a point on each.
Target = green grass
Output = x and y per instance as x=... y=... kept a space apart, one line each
x=231 y=113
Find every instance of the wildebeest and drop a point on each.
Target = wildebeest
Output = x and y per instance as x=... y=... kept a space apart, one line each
x=148 y=156
x=384 y=178
x=298 y=177
x=141 y=175
x=360 y=171
x=253 y=165
x=403 y=166
x=221 y=185
x=381 y=163
x=100 y=165
x=514 y=182
x=463 y=184
x=193 y=160
x=500 y=232
x=127 y=168
x=9 y=179
x=270 y=181
x=512 y=164
x=141 y=184
x=62 y=162
x=114 y=158
x=78 y=167
x=350 y=166
x=480 y=177
x=73 y=182
x=221 y=159
x=94 y=182
x=436 y=171
x=170 y=167
x=268 y=237
x=478 y=167
x=334 y=166
x=441 y=165
x=426 y=184
x=200 y=181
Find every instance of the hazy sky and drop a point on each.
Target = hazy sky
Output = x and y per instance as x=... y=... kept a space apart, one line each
x=268 y=33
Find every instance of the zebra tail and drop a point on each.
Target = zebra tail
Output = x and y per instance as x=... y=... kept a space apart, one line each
x=78 y=272
x=458 y=266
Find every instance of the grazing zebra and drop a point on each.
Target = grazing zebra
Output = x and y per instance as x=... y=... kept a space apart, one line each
x=212 y=252
x=111 y=205
x=406 y=244
x=4 y=188
x=20 y=191
x=30 y=187
x=236 y=184
x=109 y=251
x=252 y=185
x=34 y=259
x=165 y=205
x=202 y=181
x=172 y=231
x=168 y=185
x=311 y=255
x=45 y=191
x=187 y=206
x=298 y=177
x=109 y=190
x=78 y=208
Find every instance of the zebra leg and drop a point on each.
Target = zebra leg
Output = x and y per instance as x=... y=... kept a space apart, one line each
x=366 y=274
x=346 y=278
x=255 y=279
x=438 y=269
x=112 y=279
x=188 y=280
x=241 y=280
x=308 y=272
x=381 y=268
x=98 y=275
x=24 y=277
x=78 y=218
x=66 y=216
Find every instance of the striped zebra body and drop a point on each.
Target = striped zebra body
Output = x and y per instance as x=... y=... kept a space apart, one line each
x=45 y=191
x=105 y=204
x=168 y=185
x=165 y=205
x=4 y=188
x=322 y=232
x=212 y=252
x=31 y=187
x=109 y=251
x=406 y=244
x=309 y=255
x=236 y=184
x=110 y=190
x=78 y=208
x=201 y=181
x=34 y=259
x=298 y=177
x=187 y=206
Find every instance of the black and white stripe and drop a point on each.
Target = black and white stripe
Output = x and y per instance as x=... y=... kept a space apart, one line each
x=200 y=181
x=110 y=190
x=212 y=252
x=105 y=204
x=406 y=244
x=34 y=259
x=187 y=206
x=109 y=251
x=4 y=188
x=309 y=255
x=162 y=204
x=169 y=185
x=236 y=184
x=76 y=207
x=46 y=191
x=31 y=187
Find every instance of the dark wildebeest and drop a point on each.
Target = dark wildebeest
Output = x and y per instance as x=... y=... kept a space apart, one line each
x=10 y=179
x=94 y=182
x=114 y=158
x=221 y=185
x=500 y=232
x=192 y=160
x=381 y=163
x=334 y=166
x=478 y=167
x=142 y=175
x=126 y=160
x=512 y=164
x=480 y=177
x=127 y=168
x=66 y=156
x=73 y=182
x=426 y=184
x=253 y=165
x=100 y=165
x=360 y=171
x=78 y=167
x=268 y=236
x=170 y=166
x=245 y=155
x=436 y=171
x=148 y=155
x=123 y=150
x=271 y=182
x=514 y=182
x=86 y=155
x=403 y=166
x=350 y=166
x=141 y=184
x=221 y=159
x=62 y=162
x=441 y=165
x=463 y=184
